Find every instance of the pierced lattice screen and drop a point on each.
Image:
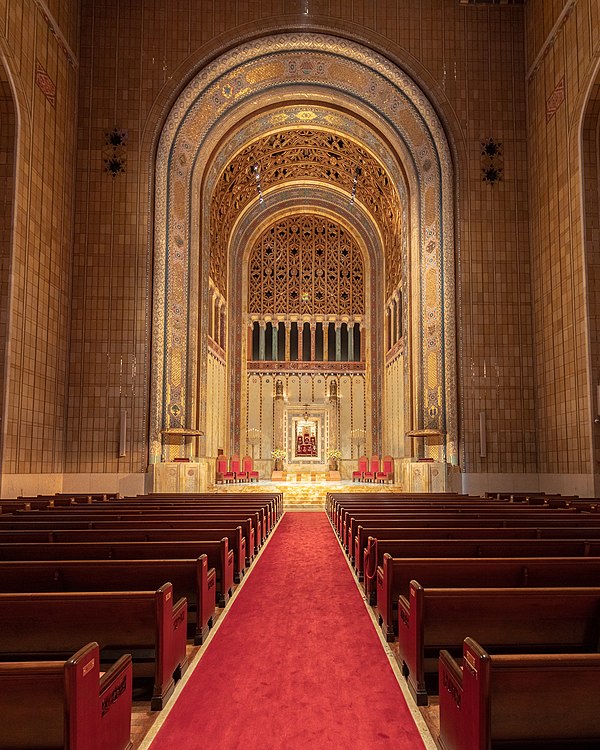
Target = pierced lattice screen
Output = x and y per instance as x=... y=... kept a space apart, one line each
x=307 y=265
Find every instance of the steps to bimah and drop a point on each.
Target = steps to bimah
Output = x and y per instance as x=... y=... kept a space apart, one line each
x=308 y=495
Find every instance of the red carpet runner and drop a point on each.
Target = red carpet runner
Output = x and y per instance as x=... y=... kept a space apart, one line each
x=296 y=663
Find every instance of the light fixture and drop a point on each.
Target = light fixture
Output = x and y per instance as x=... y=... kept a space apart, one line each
x=256 y=172
x=357 y=173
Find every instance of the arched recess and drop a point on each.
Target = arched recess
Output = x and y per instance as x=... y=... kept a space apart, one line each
x=327 y=203
x=590 y=157
x=8 y=146
x=302 y=63
x=378 y=212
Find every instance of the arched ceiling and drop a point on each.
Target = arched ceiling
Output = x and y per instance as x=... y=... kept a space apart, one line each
x=309 y=154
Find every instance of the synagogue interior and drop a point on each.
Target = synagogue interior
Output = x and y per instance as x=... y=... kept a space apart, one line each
x=296 y=249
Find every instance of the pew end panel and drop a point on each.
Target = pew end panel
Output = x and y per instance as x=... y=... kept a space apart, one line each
x=66 y=704
x=537 y=700
x=464 y=697
x=410 y=639
x=115 y=701
x=384 y=597
x=207 y=586
x=171 y=656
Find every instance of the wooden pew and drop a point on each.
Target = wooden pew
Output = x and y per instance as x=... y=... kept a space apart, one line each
x=518 y=518
x=504 y=620
x=497 y=572
x=246 y=544
x=191 y=579
x=366 y=539
x=250 y=522
x=219 y=556
x=68 y=704
x=235 y=540
x=146 y=623
x=473 y=548
x=551 y=699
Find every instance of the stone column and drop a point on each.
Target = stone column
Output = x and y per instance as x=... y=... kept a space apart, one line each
x=222 y=326
x=350 y=342
x=288 y=338
x=300 y=327
x=326 y=341
x=278 y=436
x=338 y=341
x=261 y=340
x=313 y=340
x=274 y=341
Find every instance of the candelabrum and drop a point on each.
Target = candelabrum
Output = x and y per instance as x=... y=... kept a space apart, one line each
x=358 y=437
x=253 y=437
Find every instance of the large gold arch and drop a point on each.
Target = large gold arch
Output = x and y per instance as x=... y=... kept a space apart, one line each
x=302 y=63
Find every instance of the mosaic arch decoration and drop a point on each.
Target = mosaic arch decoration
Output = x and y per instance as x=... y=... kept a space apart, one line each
x=314 y=191
x=244 y=73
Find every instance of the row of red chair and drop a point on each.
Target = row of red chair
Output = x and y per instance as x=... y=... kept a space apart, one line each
x=230 y=471
x=377 y=471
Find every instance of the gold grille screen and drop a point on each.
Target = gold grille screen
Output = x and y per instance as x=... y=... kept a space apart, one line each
x=306 y=265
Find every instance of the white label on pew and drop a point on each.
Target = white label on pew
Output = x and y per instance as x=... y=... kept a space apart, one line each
x=88 y=667
x=470 y=659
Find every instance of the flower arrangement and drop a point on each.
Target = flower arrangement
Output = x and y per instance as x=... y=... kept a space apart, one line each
x=334 y=453
x=278 y=453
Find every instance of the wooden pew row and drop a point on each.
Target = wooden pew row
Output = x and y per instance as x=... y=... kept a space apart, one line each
x=147 y=624
x=246 y=544
x=457 y=519
x=422 y=505
x=498 y=572
x=234 y=515
x=275 y=499
x=191 y=579
x=503 y=620
x=474 y=548
x=340 y=503
x=515 y=700
x=366 y=542
x=235 y=540
x=68 y=704
x=218 y=555
x=332 y=498
x=270 y=507
x=251 y=528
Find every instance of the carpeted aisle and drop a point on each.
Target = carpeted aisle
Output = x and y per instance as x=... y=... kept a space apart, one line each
x=296 y=663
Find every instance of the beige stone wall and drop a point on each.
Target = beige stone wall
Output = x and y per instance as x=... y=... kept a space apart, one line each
x=563 y=44
x=134 y=60
x=36 y=45
x=394 y=428
x=217 y=406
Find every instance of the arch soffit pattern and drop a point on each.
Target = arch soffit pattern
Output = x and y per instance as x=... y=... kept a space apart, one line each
x=362 y=73
x=311 y=142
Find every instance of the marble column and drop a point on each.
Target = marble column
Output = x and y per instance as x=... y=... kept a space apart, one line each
x=261 y=340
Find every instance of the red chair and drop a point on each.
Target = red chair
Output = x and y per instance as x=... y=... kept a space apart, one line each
x=240 y=475
x=387 y=471
x=248 y=467
x=372 y=472
x=224 y=475
x=363 y=465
